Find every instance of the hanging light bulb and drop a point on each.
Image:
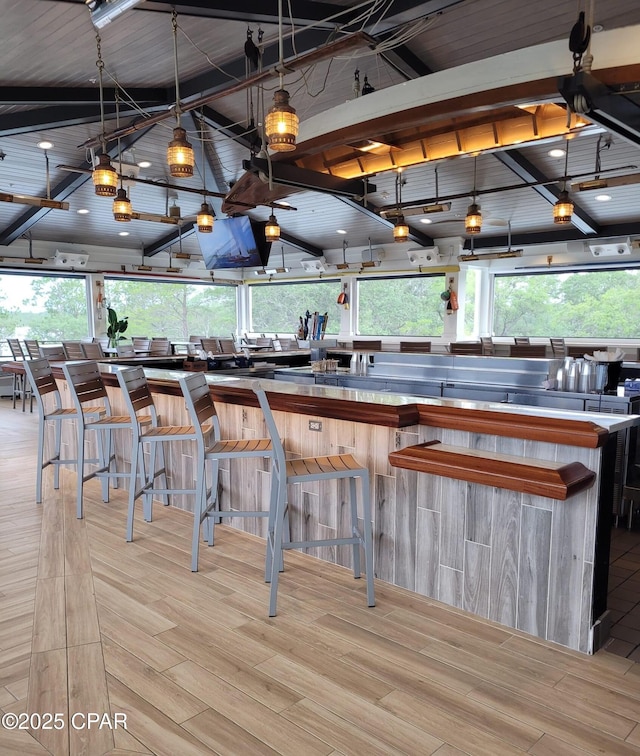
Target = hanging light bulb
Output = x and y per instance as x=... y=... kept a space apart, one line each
x=179 y=152
x=400 y=230
x=105 y=178
x=281 y=124
x=205 y=218
x=473 y=219
x=122 y=206
x=272 y=229
x=563 y=209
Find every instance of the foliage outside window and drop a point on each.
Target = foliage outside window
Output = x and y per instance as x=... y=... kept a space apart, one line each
x=401 y=306
x=43 y=307
x=472 y=282
x=173 y=309
x=277 y=308
x=589 y=304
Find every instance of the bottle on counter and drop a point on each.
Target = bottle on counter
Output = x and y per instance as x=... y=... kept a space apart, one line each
x=573 y=376
x=364 y=363
x=353 y=365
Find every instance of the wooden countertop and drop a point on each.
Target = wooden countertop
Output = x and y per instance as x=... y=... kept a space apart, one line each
x=588 y=430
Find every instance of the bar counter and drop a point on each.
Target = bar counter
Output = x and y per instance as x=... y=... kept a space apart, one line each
x=530 y=558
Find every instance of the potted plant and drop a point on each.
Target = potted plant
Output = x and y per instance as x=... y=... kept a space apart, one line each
x=116 y=327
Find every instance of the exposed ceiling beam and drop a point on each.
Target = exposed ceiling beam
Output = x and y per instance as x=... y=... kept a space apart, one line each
x=168 y=240
x=79 y=96
x=549 y=237
x=60 y=192
x=524 y=169
x=373 y=213
x=56 y=117
x=303 y=246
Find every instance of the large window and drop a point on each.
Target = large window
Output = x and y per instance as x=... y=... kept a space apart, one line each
x=277 y=308
x=401 y=306
x=173 y=309
x=43 y=307
x=595 y=304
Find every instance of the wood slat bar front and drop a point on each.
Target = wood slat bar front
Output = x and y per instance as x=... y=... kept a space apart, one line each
x=555 y=480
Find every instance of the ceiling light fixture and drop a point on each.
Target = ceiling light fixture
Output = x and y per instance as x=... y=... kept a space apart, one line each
x=272 y=229
x=473 y=219
x=121 y=205
x=603 y=197
x=145 y=164
x=206 y=216
x=563 y=209
x=281 y=124
x=82 y=211
x=556 y=152
x=344 y=264
x=400 y=229
x=340 y=231
x=282 y=269
x=179 y=152
x=45 y=144
x=473 y=257
x=105 y=178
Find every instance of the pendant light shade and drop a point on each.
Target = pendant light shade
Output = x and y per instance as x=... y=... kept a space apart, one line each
x=563 y=209
x=473 y=219
x=281 y=123
x=400 y=230
x=272 y=229
x=205 y=218
x=105 y=177
x=122 y=207
x=180 y=155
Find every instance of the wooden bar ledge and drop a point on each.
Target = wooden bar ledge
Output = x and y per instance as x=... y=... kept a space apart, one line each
x=555 y=480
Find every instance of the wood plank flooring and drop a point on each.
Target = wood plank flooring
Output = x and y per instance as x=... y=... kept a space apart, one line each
x=89 y=623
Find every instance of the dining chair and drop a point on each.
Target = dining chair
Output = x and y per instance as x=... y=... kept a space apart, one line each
x=521 y=340
x=305 y=470
x=33 y=348
x=53 y=353
x=415 y=346
x=211 y=449
x=487 y=345
x=160 y=348
x=371 y=345
x=125 y=350
x=141 y=345
x=93 y=350
x=210 y=345
x=73 y=350
x=50 y=410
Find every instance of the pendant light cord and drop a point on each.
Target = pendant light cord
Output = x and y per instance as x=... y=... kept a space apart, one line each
x=280 y=45
x=174 y=24
x=100 y=66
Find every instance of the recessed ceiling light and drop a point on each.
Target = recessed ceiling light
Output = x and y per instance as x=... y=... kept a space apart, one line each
x=426 y=220
x=82 y=211
x=123 y=233
x=556 y=152
x=598 y=28
x=144 y=164
x=340 y=231
x=45 y=144
x=603 y=197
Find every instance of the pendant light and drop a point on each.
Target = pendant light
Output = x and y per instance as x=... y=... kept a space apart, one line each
x=473 y=219
x=179 y=152
x=563 y=209
x=272 y=229
x=206 y=216
x=121 y=205
x=105 y=178
x=281 y=124
x=400 y=229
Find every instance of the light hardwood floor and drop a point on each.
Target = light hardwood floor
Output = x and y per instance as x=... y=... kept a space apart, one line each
x=89 y=623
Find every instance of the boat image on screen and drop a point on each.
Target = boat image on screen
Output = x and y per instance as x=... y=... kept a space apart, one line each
x=234 y=243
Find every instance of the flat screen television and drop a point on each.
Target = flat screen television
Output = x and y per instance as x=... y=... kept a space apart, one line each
x=235 y=243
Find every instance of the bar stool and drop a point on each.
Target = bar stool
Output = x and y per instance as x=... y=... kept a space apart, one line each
x=45 y=389
x=304 y=470
x=19 y=387
x=210 y=448
x=86 y=385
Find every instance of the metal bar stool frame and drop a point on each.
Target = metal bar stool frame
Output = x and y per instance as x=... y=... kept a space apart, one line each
x=211 y=448
x=86 y=385
x=20 y=388
x=307 y=469
x=45 y=389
